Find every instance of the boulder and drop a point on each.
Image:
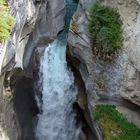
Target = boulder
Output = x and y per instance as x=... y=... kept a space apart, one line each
x=112 y=81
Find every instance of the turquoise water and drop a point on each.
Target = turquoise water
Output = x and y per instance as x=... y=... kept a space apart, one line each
x=57 y=119
x=71 y=6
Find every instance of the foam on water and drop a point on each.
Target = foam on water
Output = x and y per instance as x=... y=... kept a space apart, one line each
x=57 y=119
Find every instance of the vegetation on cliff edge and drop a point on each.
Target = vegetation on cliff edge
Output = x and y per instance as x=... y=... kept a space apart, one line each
x=114 y=125
x=6 y=21
x=104 y=26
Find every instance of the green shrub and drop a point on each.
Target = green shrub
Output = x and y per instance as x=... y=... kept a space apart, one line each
x=6 y=21
x=74 y=26
x=114 y=125
x=104 y=26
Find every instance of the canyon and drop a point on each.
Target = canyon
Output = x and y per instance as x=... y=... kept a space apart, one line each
x=77 y=81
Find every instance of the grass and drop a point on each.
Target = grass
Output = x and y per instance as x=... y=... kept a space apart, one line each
x=104 y=26
x=114 y=125
x=6 y=21
x=74 y=25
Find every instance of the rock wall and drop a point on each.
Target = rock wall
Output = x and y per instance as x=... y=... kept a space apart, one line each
x=79 y=45
x=108 y=82
x=37 y=23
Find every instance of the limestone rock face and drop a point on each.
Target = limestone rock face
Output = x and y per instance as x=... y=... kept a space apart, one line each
x=135 y=51
x=79 y=44
x=9 y=126
x=36 y=24
x=102 y=79
x=131 y=88
x=138 y=1
x=107 y=82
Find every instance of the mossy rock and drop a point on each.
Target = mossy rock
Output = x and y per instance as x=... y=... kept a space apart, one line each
x=105 y=29
x=6 y=21
x=114 y=125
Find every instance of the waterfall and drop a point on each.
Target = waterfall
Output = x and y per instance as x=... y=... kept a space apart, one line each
x=57 y=119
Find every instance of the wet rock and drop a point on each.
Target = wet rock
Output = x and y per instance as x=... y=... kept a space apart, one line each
x=101 y=78
x=3 y=135
x=131 y=89
x=138 y=2
x=9 y=126
x=80 y=56
x=120 y=2
x=79 y=45
x=37 y=23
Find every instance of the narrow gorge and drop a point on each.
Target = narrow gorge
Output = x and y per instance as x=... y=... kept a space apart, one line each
x=69 y=70
x=56 y=120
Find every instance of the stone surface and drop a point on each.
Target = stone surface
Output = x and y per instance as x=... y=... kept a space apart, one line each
x=79 y=45
x=131 y=88
x=108 y=81
x=135 y=51
x=3 y=135
x=25 y=106
x=9 y=126
x=105 y=79
x=36 y=24
x=132 y=115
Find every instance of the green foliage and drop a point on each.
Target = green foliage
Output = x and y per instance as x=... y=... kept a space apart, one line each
x=6 y=21
x=114 y=125
x=74 y=26
x=105 y=27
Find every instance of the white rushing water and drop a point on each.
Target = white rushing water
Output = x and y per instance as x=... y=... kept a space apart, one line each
x=56 y=120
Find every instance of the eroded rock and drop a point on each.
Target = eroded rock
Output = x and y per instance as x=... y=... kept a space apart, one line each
x=35 y=25
x=131 y=88
x=106 y=80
